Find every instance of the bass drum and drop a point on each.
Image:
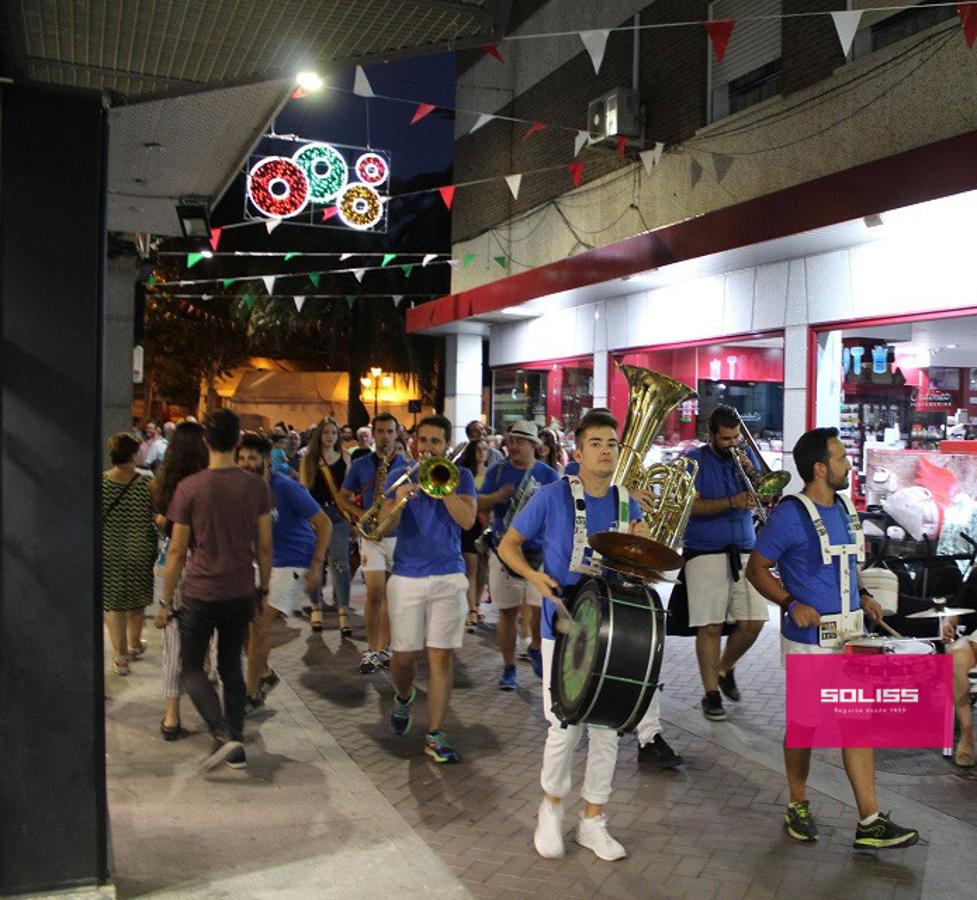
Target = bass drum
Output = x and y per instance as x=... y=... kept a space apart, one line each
x=605 y=671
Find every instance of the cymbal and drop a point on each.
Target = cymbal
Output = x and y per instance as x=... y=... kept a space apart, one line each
x=940 y=612
x=634 y=555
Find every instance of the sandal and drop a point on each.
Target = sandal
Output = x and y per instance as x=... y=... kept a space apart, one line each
x=344 y=627
x=172 y=734
x=120 y=665
x=471 y=622
x=136 y=652
x=964 y=759
x=315 y=619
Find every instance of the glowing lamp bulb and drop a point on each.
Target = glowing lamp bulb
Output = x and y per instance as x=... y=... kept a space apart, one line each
x=308 y=81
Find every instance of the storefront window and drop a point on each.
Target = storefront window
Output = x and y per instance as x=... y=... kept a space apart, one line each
x=518 y=394
x=559 y=391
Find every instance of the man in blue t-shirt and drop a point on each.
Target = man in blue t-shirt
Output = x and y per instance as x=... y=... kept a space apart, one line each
x=549 y=516
x=360 y=487
x=717 y=540
x=300 y=534
x=428 y=590
x=509 y=592
x=809 y=588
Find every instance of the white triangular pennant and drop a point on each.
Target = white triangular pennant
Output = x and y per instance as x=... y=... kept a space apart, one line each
x=397 y=299
x=659 y=149
x=272 y=224
x=483 y=119
x=299 y=303
x=344 y=256
x=647 y=159
x=427 y=258
x=206 y=296
x=514 y=181
x=846 y=24
x=269 y=281
x=361 y=84
x=454 y=263
x=358 y=274
x=596 y=44
x=721 y=164
x=578 y=142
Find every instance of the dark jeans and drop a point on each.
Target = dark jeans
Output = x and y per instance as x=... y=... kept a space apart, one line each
x=198 y=619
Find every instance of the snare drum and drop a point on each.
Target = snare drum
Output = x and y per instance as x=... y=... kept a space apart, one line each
x=882 y=644
x=606 y=672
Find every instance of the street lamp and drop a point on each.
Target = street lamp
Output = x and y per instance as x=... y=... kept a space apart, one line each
x=376 y=379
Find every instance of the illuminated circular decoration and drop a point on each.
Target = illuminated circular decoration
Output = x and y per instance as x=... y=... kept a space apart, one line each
x=278 y=187
x=325 y=168
x=372 y=169
x=360 y=206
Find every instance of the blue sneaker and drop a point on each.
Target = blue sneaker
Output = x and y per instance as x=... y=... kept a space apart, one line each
x=536 y=655
x=438 y=748
x=508 y=680
x=400 y=717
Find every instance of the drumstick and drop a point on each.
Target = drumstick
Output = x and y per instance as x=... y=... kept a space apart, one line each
x=891 y=630
x=565 y=623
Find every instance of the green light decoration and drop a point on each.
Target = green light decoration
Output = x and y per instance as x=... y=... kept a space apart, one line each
x=314 y=278
x=407 y=270
x=467 y=261
x=151 y=281
x=291 y=255
x=325 y=168
x=387 y=259
x=193 y=259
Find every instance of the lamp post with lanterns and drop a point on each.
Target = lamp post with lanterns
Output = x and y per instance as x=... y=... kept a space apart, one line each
x=376 y=379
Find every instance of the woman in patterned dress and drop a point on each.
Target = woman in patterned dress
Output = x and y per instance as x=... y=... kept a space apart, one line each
x=128 y=551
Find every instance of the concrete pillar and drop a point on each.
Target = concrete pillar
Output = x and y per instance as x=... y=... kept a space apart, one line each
x=795 y=396
x=120 y=281
x=601 y=361
x=463 y=381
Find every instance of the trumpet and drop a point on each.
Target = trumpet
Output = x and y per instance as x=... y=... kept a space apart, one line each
x=764 y=482
x=437 y=476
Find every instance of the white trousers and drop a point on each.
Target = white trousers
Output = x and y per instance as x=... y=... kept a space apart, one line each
x=555 y=778
x=651 y=723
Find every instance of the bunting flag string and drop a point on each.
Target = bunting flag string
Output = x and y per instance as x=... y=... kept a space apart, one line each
x=514 y=182
x=299 y=302
x=576 y=172
x=215 y=238
x=595 y=43
x=483 y=119
x=269 y=281
x=493 y=50
x=447 y=194
x=535 y=127
x=427 y=295
x=387 y=259
x=968 y=19
x=289 y=254
x=193 y=259
x=358 y=274
x=846 y=24
x=719 y=32
x=423 y=109
x=361 y=84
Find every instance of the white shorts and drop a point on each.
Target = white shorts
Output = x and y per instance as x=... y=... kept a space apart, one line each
x=286 y=590
x=427 y=612
x=377 y=556
x=788 y=647
x=714 y=598
x=507 y=590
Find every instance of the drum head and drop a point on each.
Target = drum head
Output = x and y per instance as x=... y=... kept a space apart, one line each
x=579 y=652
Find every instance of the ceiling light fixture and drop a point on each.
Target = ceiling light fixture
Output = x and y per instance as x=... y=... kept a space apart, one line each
x=308 y=81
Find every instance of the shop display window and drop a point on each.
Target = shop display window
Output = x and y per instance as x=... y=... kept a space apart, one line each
x=547 y=392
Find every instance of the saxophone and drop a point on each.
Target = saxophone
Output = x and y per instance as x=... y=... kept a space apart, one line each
x=370 y=520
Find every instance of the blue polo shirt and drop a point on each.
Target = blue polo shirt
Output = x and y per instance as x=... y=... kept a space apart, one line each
x=361 y=478
x=789 y=540
x=506 y=473
x=717 y=477
x=293 y=538
x=548 y=517
x=428 y=539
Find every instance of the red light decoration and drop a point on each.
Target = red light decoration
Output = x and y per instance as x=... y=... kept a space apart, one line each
x=372 y=169
x=278 y=187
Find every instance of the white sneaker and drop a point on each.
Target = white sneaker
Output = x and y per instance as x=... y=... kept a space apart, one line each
x=593 y=834
x=522 y=647
x=548 y=838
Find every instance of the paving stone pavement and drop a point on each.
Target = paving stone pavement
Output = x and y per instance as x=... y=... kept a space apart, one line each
x=713 y=828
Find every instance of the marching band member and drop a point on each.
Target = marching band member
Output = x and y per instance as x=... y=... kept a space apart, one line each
x=428 y=589
x=807 y=537
x=551 y=516
x=366 y=477
x=717 y=540
x=507 y=484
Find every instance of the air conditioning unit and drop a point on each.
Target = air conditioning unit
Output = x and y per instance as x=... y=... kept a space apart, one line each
x=616 y=113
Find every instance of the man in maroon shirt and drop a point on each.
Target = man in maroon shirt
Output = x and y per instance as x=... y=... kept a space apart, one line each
x=226 y=513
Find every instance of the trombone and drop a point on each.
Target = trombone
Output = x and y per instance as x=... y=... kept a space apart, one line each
x=764 y=483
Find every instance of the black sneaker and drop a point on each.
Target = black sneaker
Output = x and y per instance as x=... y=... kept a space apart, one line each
x=400 y=717
x=659 y=753
x=237 y=759
x=883 y=834
x=712 y=707
x=800 y=823
x=220 y=750
x=253 y=705
x=727 y=684
x=268 y=684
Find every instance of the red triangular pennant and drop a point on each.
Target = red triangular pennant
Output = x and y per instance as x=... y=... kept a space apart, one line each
x=215 y=238
x=299 y=93
x=447 y=194
x=536 y=126
x=719 y=32
x=492 y=50
x=423 y=109
x=968 y=18
x=328 y=213
x=622 y=145
x=576 y=172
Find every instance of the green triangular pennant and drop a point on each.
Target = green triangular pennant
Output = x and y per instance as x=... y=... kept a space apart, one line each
x=467 y=261
x=351 y=300
x=501 y=260
x=227 y=282
x=387 y=259
x=291 y=255
x=193 y=259
x=247 y=301
x=407 y=270
x=314 y=278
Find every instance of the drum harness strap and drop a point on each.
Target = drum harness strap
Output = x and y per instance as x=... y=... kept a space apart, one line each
x=850 y=622
x=585 y=559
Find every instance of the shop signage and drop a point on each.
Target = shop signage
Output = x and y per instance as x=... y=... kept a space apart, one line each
x=936 y=398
